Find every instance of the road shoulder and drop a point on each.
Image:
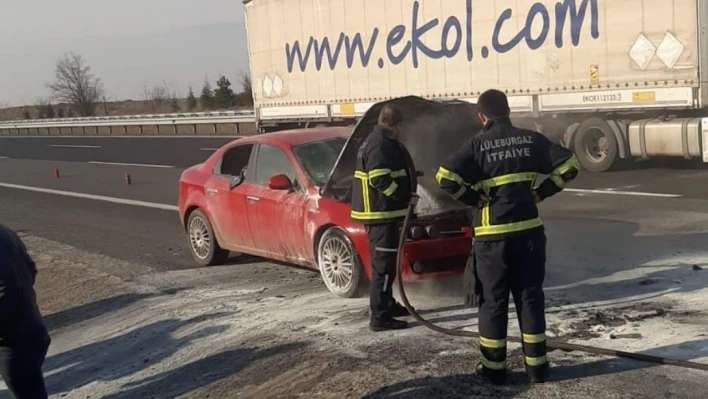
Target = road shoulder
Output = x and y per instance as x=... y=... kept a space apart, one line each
x=255 y=330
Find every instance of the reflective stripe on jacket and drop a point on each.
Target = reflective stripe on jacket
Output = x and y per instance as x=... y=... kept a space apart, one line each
x=500 y=168
x=383 y=180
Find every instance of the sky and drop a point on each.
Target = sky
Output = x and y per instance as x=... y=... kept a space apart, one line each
x=127 y=43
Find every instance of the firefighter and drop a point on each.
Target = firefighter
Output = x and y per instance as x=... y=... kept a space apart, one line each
x=385 y=183
x=23 y=337
x=496 y=171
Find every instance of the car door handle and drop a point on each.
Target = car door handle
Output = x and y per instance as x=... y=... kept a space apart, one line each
x=251 y=198
x=212 y=191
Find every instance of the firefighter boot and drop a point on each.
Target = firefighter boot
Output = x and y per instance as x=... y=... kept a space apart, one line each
x=496 y=377
x=539 y=374
x=386 y=323
x=398 y=310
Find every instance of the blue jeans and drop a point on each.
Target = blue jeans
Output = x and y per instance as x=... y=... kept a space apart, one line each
x=21 y=360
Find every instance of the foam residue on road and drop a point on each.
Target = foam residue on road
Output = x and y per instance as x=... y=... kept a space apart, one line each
x=257 y=330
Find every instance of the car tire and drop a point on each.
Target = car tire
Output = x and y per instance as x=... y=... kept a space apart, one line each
x=202 y=241
x=340 y=264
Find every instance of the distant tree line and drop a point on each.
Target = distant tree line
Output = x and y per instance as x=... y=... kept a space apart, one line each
x=79 y=92
x=223 y=97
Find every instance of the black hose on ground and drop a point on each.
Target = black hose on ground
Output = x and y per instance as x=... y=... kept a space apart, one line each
x=564 y=346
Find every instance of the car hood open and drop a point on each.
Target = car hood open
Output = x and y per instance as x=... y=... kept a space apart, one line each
x=431 y=132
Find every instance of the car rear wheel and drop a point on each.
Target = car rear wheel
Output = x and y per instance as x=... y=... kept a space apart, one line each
x=339 y=264
x=202 y=241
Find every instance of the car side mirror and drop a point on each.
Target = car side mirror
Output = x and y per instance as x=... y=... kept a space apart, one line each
x=235 y=182
x=280 y=182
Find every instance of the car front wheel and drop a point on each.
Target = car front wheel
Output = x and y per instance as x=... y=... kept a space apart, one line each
x=339 y=264
x=202 y=241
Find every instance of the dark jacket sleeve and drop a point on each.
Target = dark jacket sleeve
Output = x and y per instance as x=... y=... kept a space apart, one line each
x=559 y=163
x=459 y=174
x=31 y=265
x=382 y=173
x=8 y=280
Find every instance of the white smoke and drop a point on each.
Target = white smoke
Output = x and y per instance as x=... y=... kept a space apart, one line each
x=427 y=204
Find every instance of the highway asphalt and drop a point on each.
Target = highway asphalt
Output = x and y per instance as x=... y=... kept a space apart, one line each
x=589 y=219
x=180 y=151
x=597 y=211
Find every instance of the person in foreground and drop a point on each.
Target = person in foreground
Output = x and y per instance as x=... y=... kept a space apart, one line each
x=385 y=182
x=496 y=172
x=23 y=337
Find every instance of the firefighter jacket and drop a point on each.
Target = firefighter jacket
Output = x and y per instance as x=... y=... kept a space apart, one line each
x=500 y=167
x=19 y=313
x=384 y=180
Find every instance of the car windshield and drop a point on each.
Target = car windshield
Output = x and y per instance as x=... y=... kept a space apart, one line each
x=318 y=157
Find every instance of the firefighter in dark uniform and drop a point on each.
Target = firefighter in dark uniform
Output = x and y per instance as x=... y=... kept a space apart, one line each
x=496 y=171
x=385 y=183
x=23 y=337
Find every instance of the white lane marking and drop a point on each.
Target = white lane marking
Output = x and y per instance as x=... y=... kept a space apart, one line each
x=4 y=157
x=209 y=149
x=122 y=201
x=617 y=192
x=74 y=146
x=131 y=164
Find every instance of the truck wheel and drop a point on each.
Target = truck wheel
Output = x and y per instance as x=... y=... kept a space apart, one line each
x=595 y=145
x=339 y=264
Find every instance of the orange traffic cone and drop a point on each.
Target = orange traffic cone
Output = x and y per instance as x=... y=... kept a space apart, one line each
x=127 y=178
x=56 y=173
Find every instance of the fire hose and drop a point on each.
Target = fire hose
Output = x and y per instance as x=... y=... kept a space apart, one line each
x=564 y=346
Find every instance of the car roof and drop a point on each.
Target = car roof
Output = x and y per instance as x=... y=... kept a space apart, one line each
x=295 y=137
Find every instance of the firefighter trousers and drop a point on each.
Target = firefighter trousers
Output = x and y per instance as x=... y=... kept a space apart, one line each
x=383 y=244
x=517 y=266
x=21 y=360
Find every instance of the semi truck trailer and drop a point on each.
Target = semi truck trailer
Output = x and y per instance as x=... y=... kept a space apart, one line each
x=613 y=80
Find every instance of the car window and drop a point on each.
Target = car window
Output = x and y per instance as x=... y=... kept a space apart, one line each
x=273 y=161
x=318 y=157
x=234 y=161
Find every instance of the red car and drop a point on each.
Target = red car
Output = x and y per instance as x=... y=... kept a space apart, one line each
x=277 y=196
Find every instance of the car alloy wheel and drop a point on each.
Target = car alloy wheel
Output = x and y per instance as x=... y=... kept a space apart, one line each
x=339 y=263
x=200 y=238
x=202 y=241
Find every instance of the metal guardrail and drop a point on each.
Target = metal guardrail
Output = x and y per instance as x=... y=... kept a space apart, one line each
x=197 y=118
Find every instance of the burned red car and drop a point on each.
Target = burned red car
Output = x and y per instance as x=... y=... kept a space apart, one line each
x=285 y=196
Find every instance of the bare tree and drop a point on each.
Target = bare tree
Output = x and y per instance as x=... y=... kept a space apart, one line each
x=75 y=84
x=104 y=102
x=41 y=102
x=45 y=108
x=158 y=95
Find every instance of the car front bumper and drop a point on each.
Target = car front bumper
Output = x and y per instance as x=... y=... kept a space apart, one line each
x=435 y=258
